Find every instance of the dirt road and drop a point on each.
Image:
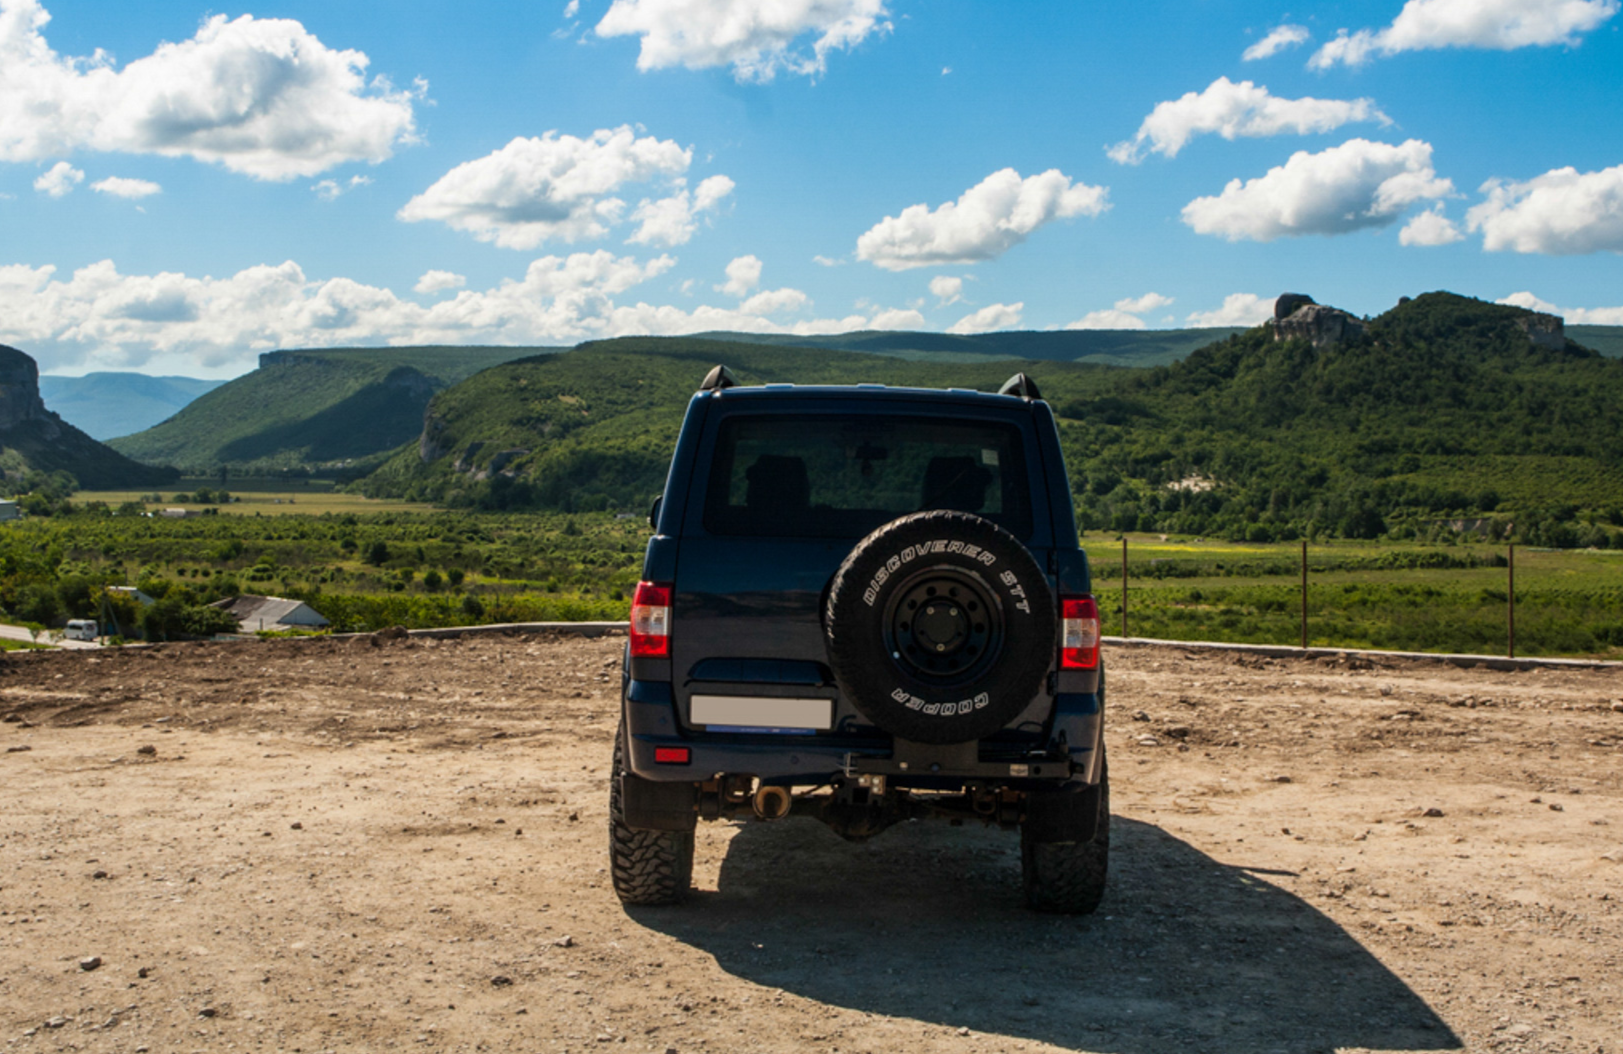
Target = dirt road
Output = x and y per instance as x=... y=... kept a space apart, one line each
x=349 y=846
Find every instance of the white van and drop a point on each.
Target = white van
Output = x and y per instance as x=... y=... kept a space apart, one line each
x=80 y=629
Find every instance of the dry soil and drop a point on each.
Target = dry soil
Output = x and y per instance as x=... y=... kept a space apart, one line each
x=400 y=844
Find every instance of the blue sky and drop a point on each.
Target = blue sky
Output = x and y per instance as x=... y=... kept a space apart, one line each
x=182 y=187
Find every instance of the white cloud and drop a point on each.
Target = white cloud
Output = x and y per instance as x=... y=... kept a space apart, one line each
x=743 y=274
x=1563 y=213
x=989 y=318
x=1124 y=314
x=1277 y=40
x=987 y=220
x=947 y=289
x=331 y=189
x=1430 y=228
x=1234 y=110
x=896 y=318
x=439 y=282
x=1575 y=316
x=1144 y=304
x=1500 y=25
x=755 y=37
x=1107 y=318
x=1346 y=188
x=560 y=188
x=1239 y=309
x=60 y=180
x=175 y=323
x=672 y=220
x=571 y=9
x=123 y=187
x=259 y=96
x=827 y=261
x=775 y=301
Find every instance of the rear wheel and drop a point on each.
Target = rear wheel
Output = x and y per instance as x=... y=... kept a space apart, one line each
x=1068 y=877
x=648 y=867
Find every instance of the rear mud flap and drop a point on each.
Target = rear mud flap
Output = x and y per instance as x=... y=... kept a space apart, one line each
x=651 y=806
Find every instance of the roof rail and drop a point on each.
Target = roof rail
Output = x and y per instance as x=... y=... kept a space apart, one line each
x=1022 y=386
x=717 y=379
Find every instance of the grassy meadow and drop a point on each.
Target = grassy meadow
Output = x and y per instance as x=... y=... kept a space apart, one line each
x=255 y=497
x=1403 y=596
x=367 y=564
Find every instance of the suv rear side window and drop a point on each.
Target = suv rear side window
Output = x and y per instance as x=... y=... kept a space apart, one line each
x=832 y=476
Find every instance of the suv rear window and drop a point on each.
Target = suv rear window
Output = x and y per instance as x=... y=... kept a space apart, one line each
x=831 y=476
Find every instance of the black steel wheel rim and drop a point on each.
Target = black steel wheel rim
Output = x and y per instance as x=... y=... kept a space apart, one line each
x=943 y=624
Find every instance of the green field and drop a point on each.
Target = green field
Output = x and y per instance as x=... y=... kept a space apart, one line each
x=255 y=497
x=422 y=569
x=1449 y=598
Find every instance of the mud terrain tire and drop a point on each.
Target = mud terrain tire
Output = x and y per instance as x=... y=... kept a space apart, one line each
x=1068 y=877
x=940 y=627
x=648 y=867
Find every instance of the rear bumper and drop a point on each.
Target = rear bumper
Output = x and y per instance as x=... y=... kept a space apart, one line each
x=1071 y=753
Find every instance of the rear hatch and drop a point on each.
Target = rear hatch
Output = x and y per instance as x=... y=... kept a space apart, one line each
x=785 y=484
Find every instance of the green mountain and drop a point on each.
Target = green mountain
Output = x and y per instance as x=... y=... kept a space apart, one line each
x=593 y=428
x=35 y=440
x=1444 y=408
x=1111 y=347
x=308 y=409
x=105 y=405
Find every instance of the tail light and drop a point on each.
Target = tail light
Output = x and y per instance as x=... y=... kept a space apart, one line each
x=651 y=620
x=1079 y=633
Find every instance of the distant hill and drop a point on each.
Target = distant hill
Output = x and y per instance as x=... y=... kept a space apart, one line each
x=106 y=405
x=34 y=439
x=1608 y=340
x=1442 y=410
x=1111 y=347
x=308 y=409
x=593 y=428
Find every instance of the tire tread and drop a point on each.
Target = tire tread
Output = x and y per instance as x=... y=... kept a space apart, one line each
x=647 y=867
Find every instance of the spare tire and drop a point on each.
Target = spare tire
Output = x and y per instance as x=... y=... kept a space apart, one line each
x=940 y=627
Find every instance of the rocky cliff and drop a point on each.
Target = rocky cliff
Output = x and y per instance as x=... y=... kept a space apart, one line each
x=1297 y=315
x=33 y=438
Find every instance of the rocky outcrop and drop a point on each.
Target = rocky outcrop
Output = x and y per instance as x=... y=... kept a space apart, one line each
x=19 y=395
x=46 y=443
x=1545 y=331
x=429 y=445
x=1298 y=317
x=1288 y=303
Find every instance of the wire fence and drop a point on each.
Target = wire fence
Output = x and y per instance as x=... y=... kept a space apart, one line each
x=1466 y=599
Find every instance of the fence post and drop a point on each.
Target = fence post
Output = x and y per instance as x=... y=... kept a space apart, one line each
x=1304 y=593
x=1510 y=605
x=1124 y=585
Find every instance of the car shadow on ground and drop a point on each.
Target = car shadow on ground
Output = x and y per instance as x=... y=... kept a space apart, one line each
x=926 y=922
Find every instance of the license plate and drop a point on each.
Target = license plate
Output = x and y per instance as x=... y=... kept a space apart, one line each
x=755 y=713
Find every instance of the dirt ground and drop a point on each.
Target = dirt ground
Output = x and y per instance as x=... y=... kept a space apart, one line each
x=361 y=846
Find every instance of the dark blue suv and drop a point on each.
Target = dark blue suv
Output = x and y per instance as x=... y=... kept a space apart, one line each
x=864 y=605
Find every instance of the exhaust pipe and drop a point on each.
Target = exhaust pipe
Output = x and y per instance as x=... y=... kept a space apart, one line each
x=772 y=803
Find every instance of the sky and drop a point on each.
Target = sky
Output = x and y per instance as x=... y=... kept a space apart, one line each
x=183 y=187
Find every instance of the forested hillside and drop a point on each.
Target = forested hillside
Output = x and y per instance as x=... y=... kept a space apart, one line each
x=303 y=409
x=1111 y=347
x=1444 y=412
x=1444 y=409
x=593 y=428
